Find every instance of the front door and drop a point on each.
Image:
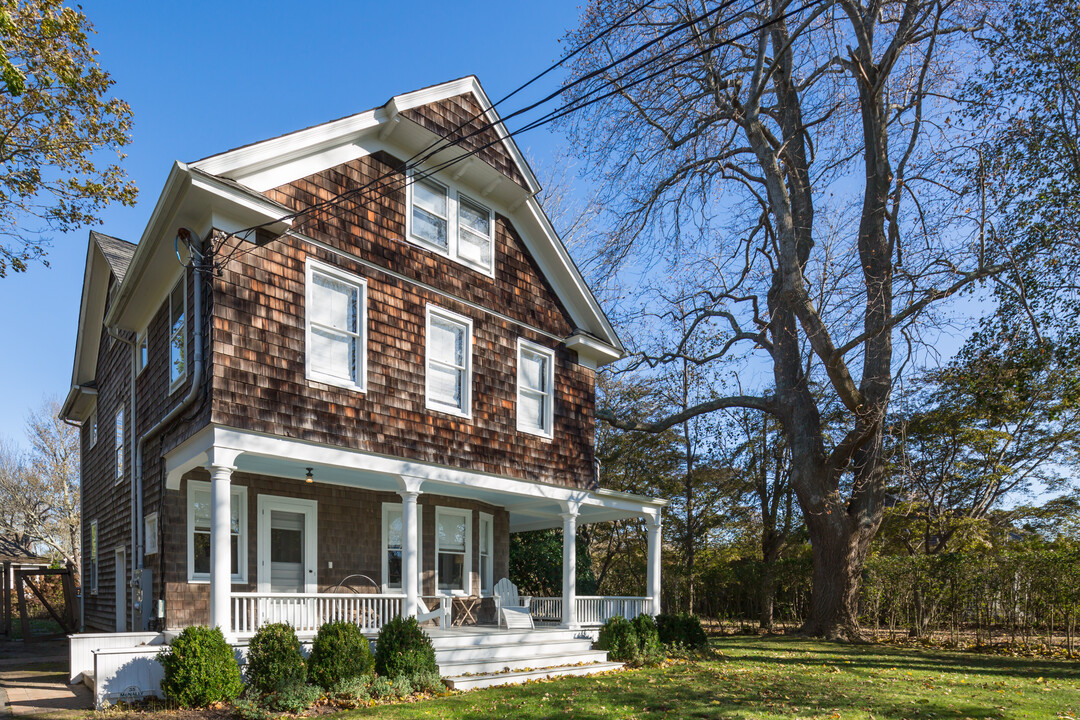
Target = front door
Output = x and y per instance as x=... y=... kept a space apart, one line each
x=287 y=545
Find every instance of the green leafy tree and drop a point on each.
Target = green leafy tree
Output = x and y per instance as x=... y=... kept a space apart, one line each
x=57 y=127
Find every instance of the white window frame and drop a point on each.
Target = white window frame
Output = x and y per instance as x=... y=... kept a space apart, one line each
x=142 y=351
x=385 y=569
x=312 y=267
x=176 y=382
x=310 y=510
x=487 y=578
x=466 y=392
x=467 y=575
x=453 y=229
x=549 y=398
x=92 y=422
x=119 y=435
x=240 y=491
x=150 y=534
x=95 y=541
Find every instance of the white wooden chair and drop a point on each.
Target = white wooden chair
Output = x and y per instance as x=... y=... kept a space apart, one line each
x=512 y=609
x=441 y=613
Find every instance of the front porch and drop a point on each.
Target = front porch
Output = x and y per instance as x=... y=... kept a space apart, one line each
x=337 y=534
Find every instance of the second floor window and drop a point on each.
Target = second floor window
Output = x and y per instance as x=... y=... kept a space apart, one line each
x=536 y=377
x=93 y=557
x=92 y=423
x=336 y=335
x=178 y=334
x=451 y=223
x=449 y=362
x=119 y=447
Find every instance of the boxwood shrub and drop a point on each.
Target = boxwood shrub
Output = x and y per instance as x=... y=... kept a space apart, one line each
x=620 y=639
x=274 y=660
x=340 y=652
x=681 y=629
x=200 y=668
x=403 y=649
x=648 y=637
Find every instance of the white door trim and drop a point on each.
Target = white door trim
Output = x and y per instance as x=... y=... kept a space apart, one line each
x=120 y=572
x=310 y=510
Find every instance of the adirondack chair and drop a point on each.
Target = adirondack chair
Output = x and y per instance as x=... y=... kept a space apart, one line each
x=441 y=613
x=512 y=609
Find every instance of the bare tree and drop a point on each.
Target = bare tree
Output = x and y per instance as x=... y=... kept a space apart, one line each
x=795 y=162
x=39 y=492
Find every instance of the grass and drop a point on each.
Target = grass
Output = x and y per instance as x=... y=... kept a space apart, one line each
x=771 y=678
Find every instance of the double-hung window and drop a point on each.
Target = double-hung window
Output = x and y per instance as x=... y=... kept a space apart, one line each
x=535 y=395
x=92 y=424
x=178 y=334
x=487 y=543
x=451 y=223
x=393 y=562
x=336 y=326
x=118 y=447
x=449 y=362
x=143 y=352
x=453 y=559
x=199 y=502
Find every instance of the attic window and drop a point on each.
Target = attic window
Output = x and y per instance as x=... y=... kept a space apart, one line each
x=452 y=224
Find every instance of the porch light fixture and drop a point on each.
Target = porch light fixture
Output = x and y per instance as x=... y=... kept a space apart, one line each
x=309 y=478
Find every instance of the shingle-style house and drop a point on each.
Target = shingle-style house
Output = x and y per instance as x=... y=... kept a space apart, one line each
x=303 y=414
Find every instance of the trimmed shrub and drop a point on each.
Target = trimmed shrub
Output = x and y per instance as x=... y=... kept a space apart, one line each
x=340 y=652
x=274 y=660
x=619 y=638
x=292 y=697
x=200 y=669
x=681 y=629
x=403 y=649
x=648 y=637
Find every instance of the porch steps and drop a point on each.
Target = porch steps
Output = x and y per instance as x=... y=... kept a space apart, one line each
x=486 y=657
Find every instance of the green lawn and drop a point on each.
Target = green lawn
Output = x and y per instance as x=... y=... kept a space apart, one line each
x=767 y=678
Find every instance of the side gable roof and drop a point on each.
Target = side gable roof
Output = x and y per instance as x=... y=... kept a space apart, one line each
x=11 y=550
x=107 y=257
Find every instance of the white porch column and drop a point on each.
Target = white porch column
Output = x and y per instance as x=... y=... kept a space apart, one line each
x=410 y=570
x=653 y=524
x=569 y=569
x=220 y=547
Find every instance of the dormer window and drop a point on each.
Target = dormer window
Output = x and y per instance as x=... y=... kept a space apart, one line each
x=452 y=224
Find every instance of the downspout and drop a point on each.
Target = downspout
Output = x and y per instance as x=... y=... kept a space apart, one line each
x=133 y=582
x=193 y=242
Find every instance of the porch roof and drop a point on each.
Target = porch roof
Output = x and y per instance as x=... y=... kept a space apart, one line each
x=532 y=505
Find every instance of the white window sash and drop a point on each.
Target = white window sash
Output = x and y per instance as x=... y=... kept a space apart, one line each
x=387 y=510
x=463 y=371
x=177 y=331
x=118 y=449
x=354 y=378
x=196 y=487
x=467 y=571
x=94 y=540
x=545 y=396
x=487 y=551
x=454 y=227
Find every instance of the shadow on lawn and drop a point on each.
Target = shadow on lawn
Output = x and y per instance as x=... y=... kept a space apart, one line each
x=879 y=657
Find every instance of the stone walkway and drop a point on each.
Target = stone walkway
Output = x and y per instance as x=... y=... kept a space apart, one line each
x=33 y=683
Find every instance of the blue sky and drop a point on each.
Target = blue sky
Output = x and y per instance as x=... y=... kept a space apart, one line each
x=202 y=77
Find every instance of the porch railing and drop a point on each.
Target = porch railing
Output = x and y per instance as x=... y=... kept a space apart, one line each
x=307 y=612
x=592 y=610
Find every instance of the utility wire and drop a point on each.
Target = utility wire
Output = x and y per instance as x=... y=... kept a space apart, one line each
x=578 y=104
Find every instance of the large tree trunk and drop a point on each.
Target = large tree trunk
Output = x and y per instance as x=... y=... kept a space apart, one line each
x=834 y=601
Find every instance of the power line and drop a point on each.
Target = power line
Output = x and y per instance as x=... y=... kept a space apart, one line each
x=405 y=177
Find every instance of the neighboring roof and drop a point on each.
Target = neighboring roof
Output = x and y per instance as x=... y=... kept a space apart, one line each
x=11 y=550
x=117 y=252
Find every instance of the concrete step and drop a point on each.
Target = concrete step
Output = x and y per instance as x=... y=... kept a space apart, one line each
x=511 y=651
x=504 y=637
x=475 y=682
x=539 y=657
